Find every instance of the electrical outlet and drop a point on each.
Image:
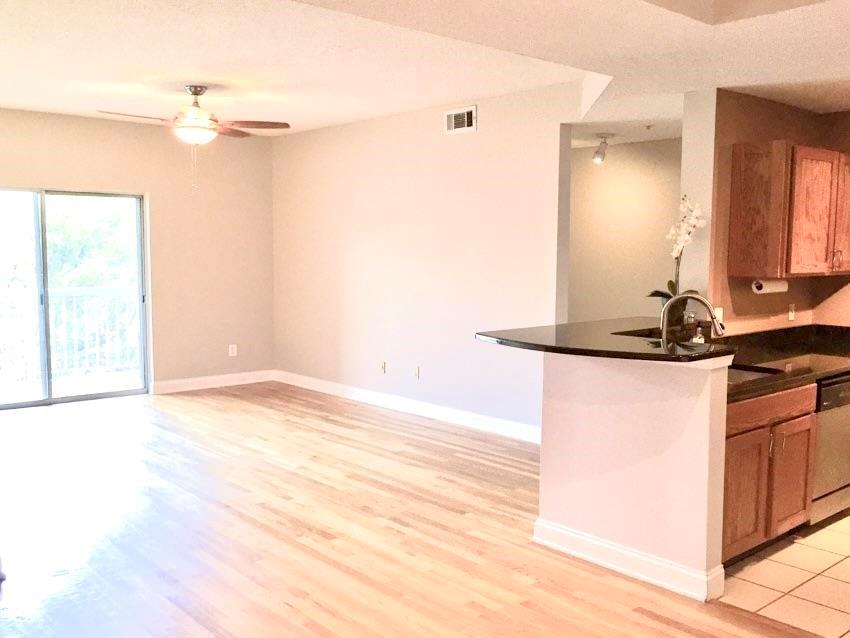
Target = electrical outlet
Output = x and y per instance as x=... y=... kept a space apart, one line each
x=232 y=350
x=718 y=312
x=792 y=312
x=384 y=367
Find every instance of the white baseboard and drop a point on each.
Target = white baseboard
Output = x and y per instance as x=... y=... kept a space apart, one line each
x=504 y=427
x=215 y=381
x=493 y=425
x=688 y=581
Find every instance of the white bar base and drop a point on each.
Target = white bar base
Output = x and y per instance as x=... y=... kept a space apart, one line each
x=687 y=581
x=631 y=467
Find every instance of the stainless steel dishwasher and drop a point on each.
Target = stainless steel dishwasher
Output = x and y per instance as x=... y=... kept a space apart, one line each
x=832 y=451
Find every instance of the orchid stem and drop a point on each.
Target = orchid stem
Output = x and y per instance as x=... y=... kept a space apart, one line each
x=676 y=272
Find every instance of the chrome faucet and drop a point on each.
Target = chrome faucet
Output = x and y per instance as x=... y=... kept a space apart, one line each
x=716 y=324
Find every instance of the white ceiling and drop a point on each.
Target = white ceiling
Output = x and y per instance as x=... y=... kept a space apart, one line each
x=648 y=49
x=628 y=116
x=718 y=11
x=271 y=59
x=584 y=135
x=320 y=62
x=821 y=97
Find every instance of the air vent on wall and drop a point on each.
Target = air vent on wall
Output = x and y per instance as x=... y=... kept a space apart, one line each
x=463 y=120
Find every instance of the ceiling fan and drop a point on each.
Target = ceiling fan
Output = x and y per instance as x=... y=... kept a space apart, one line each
x=195 y=125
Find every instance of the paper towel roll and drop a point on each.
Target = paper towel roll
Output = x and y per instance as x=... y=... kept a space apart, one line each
x=769 y=286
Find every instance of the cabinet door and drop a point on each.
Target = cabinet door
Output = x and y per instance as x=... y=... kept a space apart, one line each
x=841 y=234
x=745 y=492
x=758 y=210
x=814 y=186
x=792 y=474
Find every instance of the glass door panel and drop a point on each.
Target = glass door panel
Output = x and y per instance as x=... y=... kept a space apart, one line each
x=94 y=285
x=23 y=376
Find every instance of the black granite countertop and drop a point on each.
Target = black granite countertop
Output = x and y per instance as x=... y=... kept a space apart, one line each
x=795 y=356
x=631 y=338
x=765 y=362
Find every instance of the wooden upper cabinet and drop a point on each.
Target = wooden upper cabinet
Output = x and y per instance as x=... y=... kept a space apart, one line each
x=791 y=474
x=789 y=211
x=841 y=233
x=758 y=214
x=814 y=186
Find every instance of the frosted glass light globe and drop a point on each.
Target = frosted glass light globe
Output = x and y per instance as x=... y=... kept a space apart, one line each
x=195 y=125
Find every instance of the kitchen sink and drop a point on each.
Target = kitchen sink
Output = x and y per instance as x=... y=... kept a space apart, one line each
x=738 y=373
x=646 y=333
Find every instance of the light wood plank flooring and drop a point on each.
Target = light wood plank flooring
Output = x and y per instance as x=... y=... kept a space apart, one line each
x=270 y=511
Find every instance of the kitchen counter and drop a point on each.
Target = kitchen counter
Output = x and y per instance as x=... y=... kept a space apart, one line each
x=624 y=420
x=630 y=338
x=796 y=356
x=765 y=362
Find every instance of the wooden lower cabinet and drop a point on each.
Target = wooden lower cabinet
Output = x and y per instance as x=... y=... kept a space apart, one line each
x=745 y=492
x=768 y=488
x=791 y=474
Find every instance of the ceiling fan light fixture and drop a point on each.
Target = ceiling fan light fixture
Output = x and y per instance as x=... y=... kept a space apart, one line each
x=195 y=134
x=195 y=125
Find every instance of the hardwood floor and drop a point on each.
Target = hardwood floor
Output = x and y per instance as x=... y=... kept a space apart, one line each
x=267 y=510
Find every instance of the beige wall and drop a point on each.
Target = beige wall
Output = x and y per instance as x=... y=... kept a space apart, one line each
x=742 y=118
x=396 y=242
x=699 y=117
x=619 y=215
x=746 y=119
x=210 y=248
x=562 y=279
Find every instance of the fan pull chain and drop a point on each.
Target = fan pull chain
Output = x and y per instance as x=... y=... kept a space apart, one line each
x=195 y=166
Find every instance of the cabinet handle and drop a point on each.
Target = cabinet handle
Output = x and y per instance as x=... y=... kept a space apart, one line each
x=840 y=258
x=784 y=438
x=770 y=449
x=834 y=255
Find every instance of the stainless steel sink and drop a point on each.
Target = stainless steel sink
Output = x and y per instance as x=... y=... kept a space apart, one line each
x=739 y=373
x=645 y=333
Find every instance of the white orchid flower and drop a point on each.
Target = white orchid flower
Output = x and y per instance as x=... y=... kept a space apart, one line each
x=681 y=234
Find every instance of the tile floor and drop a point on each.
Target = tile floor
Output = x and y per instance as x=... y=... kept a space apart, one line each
x=803 y=580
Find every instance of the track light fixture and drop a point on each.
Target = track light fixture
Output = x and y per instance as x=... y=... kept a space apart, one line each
x=599 y=155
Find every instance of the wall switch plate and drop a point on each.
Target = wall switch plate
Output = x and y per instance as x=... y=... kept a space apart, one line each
x=792 y=312
x=232 y=350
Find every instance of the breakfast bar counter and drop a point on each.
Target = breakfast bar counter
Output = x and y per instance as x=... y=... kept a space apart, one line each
x=632 y=450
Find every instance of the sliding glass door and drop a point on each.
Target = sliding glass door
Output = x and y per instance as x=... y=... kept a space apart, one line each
x=75 y=327
x=23 y=369
x=94 y=286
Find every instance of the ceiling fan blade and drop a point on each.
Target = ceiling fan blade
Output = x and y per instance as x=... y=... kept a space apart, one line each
x=231 y=132
x=255 y=124
x=144 y=117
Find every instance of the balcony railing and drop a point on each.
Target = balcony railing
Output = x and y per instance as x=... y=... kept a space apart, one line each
x=95 y=341
x=94 y=330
